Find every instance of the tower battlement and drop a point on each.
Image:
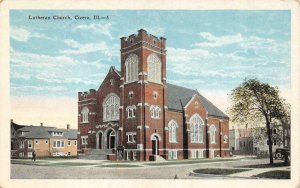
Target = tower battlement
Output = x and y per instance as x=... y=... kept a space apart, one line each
x=143 y=37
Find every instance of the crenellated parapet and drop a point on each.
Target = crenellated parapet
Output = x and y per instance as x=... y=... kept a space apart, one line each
x=87 y=95
x=143 y=38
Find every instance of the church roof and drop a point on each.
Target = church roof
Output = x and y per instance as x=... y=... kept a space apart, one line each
x=175 y=94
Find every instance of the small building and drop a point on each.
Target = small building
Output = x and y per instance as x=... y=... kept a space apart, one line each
x=251 y=141
x=45 y=141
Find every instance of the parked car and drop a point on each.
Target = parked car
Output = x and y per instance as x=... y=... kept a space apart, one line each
x=281 y=152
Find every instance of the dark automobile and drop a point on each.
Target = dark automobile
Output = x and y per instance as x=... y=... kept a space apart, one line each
x=281 y=152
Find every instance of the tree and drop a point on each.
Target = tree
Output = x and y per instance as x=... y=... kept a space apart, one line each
x=254 y=100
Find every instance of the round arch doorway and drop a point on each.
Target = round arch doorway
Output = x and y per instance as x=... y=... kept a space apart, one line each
x=155 y=145
x=111 y=139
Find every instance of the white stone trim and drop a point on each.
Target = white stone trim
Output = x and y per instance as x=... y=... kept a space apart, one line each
x=121 y=85
x=139 y=104
x=166 y=107
x=146 y=104
x=122 y=78
x=147 y=126
x=139 y=127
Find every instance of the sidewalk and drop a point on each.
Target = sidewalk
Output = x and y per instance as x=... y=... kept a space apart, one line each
x=256 y=171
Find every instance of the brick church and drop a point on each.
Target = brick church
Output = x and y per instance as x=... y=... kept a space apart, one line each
x=137 y=115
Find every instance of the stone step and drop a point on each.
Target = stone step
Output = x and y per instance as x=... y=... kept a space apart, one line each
x=96 y=154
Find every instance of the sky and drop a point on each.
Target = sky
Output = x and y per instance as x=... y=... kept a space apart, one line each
x=212 y=51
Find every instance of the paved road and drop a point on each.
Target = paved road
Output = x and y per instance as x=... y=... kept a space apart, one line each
x=149 y=172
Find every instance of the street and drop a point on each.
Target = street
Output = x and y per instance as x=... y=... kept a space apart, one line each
x=139 y=170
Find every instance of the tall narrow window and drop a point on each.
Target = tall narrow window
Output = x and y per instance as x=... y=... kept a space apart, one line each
x=85 y=115
x=131 y=65
x=197 y=126
x=154 y=68
x=212 y=132
x=111 y=108
x=172 y=131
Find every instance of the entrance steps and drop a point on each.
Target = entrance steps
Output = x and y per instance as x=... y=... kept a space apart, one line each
x=96 y=154
x=159 y=158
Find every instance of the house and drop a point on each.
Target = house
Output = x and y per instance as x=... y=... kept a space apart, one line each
x=250 y=141
x=136 y=113
x=45 y=141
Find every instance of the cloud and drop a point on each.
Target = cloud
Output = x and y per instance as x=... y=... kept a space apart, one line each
x=104 y=29
x=214 y=41
x=80 y=48
x=38 y=88
x=23 y=35
x=30 y=60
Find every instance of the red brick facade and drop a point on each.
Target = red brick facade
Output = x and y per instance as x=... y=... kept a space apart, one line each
x=145 y=133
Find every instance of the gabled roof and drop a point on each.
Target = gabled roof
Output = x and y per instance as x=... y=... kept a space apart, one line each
x=175 y=94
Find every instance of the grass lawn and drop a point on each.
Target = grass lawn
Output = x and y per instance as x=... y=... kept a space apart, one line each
x=118 y=166
x=276 y=174
x=219 y=171
x=25 y=161
x=188 y=162
x=281 y=164
x=72 y=164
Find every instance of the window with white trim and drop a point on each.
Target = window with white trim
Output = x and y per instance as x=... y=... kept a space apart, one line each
x=134 y=155
x=155 y=111
x=111 y=108
x=21 y=154
x=154 y=68
x=84 y=115
x=193 y=154
x=75 y=142
x=212 y=134
x=155 y=94
x=172 y=131
x=69 y=143
x=36 y=141
x=84 y=140
x=225 y=139
x=131 y=111
x=46 y=141
x=197 y=125
x=58 y=144
x=21 y=144
x=131 y=66
x=29 y=143
x=131 y=137
x=172 y=154
x=29 y=154
x=130 y=94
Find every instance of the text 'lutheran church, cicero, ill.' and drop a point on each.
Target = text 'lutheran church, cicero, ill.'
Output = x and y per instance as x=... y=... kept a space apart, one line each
x=136 y=115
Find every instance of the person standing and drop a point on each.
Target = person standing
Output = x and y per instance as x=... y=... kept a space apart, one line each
x=33 y=155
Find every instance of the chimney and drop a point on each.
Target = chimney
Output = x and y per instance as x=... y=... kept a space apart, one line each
x=41 y=124
x=68 y=126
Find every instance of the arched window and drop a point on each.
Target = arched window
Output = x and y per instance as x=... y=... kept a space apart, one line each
x=212 y=132
x=225 y=139
x=154 y=68
x=155 y=111
x=131 y=64
x=131 y=111
x=172 y=131
x=197 y=125
x=111 y=108
x=85 y=115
